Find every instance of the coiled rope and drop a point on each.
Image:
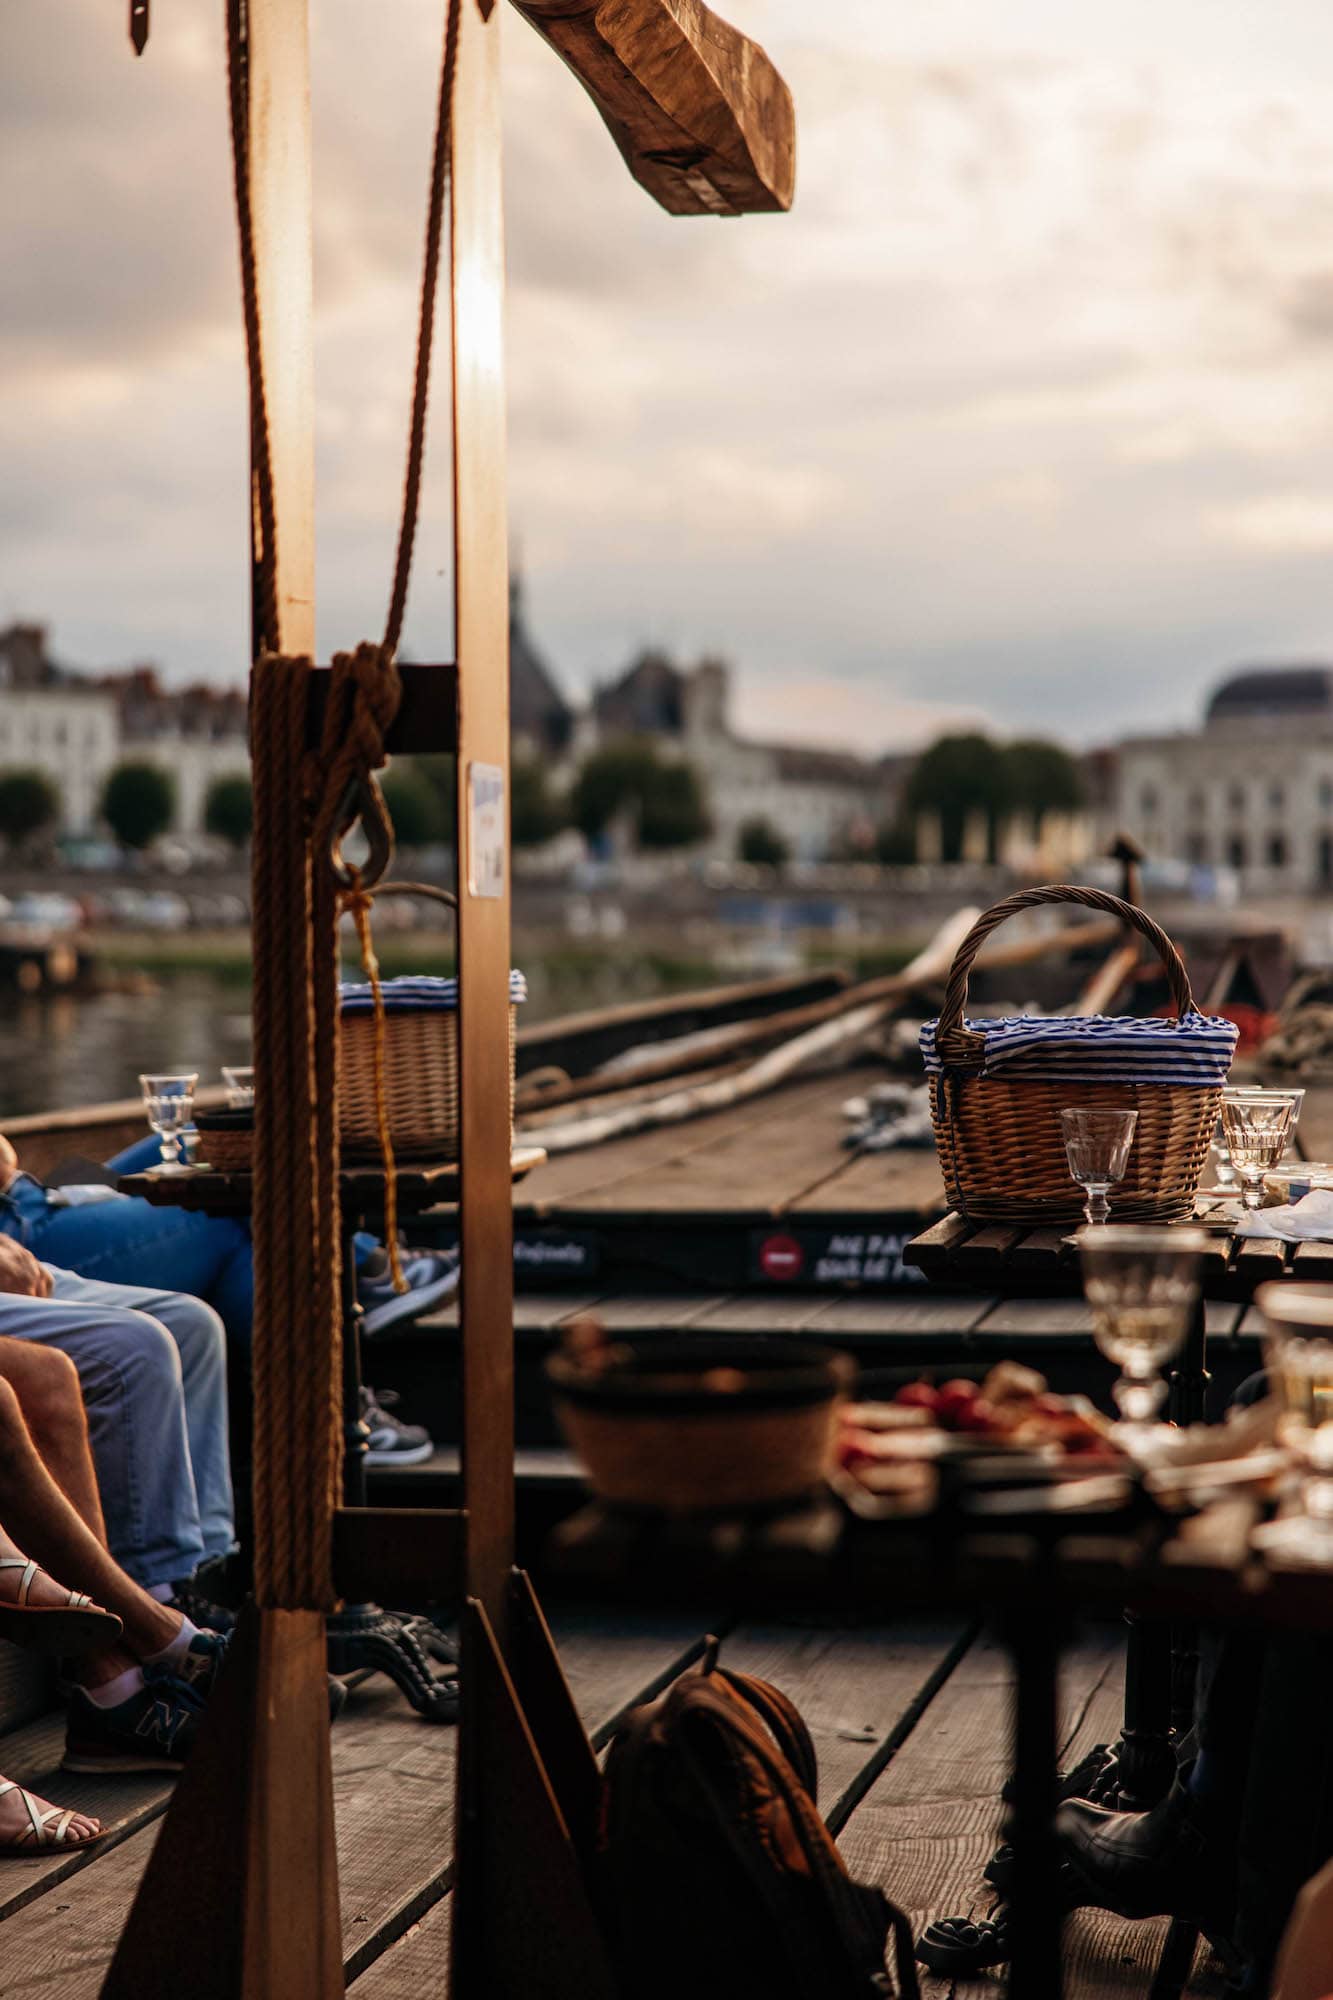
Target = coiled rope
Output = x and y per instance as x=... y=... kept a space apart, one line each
x=305 y=803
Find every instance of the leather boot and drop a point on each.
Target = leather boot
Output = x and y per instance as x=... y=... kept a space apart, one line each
x=1174 y=1861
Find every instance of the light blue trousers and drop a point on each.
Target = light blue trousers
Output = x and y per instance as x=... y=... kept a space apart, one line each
x=153 y=1370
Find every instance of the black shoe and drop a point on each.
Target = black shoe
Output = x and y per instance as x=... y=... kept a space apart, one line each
x=1174 y=1861
x=200 y=1610
x=391 y=1441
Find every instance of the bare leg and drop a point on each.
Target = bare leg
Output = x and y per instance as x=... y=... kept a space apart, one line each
x=48 y=1529
x=46 y=1383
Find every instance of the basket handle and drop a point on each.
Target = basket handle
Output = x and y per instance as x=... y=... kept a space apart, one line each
x=957 y=1044
x=428 y=889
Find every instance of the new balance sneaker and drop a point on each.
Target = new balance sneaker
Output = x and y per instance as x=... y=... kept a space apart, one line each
x=392 y=1442
x=430 y=1280
x=153 y=1730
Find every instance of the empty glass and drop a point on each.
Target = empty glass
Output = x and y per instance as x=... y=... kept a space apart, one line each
x=1257 y=1123
x=1298 y=1351
x=169 y=1101
x=1097 y=1147
x=240 y=1084
x=1143 y=1285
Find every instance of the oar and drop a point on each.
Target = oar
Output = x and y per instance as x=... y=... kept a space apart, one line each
x=703 y=119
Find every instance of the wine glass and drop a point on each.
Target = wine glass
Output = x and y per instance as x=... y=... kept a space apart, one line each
x=1097 y=1146
x=240 y=1082
x=1143 y=1285
x=1258 y=1124
x=1298 y=1352
x=169 y=1102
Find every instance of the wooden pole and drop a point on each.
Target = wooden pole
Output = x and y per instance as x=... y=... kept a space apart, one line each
x=481 y=588
x=242 y=1884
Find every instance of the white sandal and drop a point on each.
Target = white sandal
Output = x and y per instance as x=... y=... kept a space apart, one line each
x=40 y=1832
x=76 y=1626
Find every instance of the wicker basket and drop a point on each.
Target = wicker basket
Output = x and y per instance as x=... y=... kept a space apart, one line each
x=226 y=1140
x=697 y=1425
x=1000 y=1143
x=420 y=1071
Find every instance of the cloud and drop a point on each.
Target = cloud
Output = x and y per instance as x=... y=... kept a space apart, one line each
x=1021 y=411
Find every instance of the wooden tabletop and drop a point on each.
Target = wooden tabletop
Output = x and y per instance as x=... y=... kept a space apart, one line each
x=987 y=1257
x=361 y=1189
x=826 y=1560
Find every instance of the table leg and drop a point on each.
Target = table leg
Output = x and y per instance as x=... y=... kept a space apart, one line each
x=1036 y=1914
x=363 y=1638
x=1160 y=1663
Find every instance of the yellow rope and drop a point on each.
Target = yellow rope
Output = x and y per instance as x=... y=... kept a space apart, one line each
x=358 y=901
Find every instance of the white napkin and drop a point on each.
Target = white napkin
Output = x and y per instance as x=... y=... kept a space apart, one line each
x=1308 y=1220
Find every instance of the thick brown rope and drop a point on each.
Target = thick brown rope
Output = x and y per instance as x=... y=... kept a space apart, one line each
x=298 y=827
x=439 y=181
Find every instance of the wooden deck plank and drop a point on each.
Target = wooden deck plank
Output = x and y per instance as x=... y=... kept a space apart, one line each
x=752 y=1168
x=592 y=1177
x=761 y=1312
x=1035 y=1319
x=851 y=1686
x=393 y=1788
x=905 y=1180
x=915 y=1311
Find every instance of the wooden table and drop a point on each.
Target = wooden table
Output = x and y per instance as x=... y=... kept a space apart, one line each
x=989 y=1257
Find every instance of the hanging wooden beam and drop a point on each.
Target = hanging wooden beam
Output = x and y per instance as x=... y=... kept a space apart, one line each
x=702 y=117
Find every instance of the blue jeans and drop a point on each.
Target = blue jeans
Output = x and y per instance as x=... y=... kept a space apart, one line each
x=130 y=1242
x=153 y=1370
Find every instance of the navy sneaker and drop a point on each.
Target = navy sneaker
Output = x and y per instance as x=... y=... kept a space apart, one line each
x=430 y=1280
x=154 y=1730
x=392 y=1442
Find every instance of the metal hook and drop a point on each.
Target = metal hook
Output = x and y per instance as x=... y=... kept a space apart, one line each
x=360 y=804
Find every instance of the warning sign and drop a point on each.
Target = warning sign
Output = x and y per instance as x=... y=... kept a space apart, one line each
x=781 y=1258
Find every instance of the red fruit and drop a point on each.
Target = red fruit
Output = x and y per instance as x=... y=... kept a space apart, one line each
x=1050 y=1406
x=918 y=1396
x=975 y=1415
x=954 y=1399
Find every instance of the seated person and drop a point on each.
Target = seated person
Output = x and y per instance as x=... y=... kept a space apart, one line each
x=136 y=1700
x=152 y=1370
x=122 y=1240
x=1248 y=1823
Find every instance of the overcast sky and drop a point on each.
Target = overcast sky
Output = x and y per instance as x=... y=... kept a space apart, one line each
x=1025 y=411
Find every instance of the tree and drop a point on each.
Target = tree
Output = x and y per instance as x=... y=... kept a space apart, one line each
x=1042 y=777
x=957 y=776
x=895 y=842
x=666 y=799
x=29 y=805
x=414 y=807
x=229 y=809
x=138 y=803
x=760 y=843
x=535 y=814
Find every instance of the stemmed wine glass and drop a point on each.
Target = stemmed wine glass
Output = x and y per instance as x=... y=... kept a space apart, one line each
x=169 y=1102
x=1097 y=1146
x=240 y=1082
x=1257 y=1124
x=1298 y=1352
x=1143 y=1285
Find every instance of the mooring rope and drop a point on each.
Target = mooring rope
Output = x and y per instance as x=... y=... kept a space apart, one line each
x=305 y=802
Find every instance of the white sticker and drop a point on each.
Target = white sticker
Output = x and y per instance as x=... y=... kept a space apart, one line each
x=486 y=830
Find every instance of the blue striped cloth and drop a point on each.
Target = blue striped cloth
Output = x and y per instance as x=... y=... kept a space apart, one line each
x=1100 y=1048
x=417 y=996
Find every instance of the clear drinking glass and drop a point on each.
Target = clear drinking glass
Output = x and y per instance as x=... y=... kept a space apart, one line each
x=1097 y=1147
x=1257 y=1123
x=1143 y=1285
x=169 y=1101
x=240 y=1084
x=1298 y=1351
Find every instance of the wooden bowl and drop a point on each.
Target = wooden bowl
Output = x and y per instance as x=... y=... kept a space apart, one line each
x=682 y=1425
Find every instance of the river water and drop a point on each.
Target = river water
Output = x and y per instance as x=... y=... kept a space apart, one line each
x=58 y=1054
